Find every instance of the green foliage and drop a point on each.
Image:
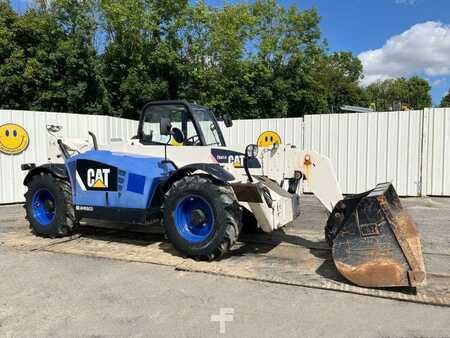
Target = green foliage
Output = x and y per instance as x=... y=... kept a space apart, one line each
x=445 y=102
x=253 y=60
x=399 y=94
x=48 y=61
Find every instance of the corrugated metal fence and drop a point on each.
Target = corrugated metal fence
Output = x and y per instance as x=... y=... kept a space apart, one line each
x=369 y=148
x=436 y=152
x=74 y=125
x=411 y=149
x=245 y=132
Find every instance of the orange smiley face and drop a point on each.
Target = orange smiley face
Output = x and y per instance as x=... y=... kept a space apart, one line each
x=13 y=139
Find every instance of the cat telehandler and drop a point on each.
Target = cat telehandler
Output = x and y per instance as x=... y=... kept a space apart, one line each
x=178 y=171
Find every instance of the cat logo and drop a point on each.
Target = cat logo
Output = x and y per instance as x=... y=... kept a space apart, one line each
x=234 y=158
x=92 y=175
x=98 y=178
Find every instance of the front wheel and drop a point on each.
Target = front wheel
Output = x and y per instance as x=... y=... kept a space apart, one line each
x=202 y=217
x=49 y=206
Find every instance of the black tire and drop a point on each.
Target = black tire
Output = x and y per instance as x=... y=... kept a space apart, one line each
x=64 y=215
x=225 y=208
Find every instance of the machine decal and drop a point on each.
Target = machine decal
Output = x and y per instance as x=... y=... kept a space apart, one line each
x=225 y=156
x=13 y=139
x=92 y=175
x=84 y=208
x=268 y=139
x=136 y=183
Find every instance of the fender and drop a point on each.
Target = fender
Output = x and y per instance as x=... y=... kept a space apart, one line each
x=58 y=170
x=212 y=169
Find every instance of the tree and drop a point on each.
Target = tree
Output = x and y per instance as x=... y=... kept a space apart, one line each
x=254 y=60
x=419 y=91
x=338 y=76
x=11 y=62
x=398 y=94
x=445 y=102
x=143 y=57
x=50 y=62
x=289 y=47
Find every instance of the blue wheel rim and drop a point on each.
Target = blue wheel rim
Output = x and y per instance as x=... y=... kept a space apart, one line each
x=186 y=227
x=38 y=206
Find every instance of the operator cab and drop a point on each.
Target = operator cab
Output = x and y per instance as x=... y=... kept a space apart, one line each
x=198 y=124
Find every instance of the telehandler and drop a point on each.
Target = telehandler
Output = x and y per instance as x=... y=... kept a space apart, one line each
x=178 y=171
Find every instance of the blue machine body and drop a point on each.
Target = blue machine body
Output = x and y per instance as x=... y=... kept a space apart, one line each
x=115 y=180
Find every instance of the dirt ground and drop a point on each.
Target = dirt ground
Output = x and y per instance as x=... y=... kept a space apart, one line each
x=100 y=283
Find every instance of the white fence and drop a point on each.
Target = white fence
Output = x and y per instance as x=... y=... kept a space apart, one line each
x=369 y=148
x=411 y=149
x=436 y=152
x=74 y=125
x=245 y=132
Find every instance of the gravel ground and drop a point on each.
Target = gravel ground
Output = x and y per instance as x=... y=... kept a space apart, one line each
x=49 y=294
x=44 y=294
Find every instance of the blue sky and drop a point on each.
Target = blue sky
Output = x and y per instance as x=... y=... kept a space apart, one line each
x=392 y=37
x=365 y=25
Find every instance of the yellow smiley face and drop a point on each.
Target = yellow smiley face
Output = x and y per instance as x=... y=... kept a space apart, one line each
x=268 y=139
x=13 y=139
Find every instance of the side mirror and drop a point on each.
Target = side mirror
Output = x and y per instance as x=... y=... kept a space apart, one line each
x=227 y=120
x=165 y=126
x=177 y=135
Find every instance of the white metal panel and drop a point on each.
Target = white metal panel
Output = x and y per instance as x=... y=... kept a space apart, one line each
x=436 y=161
x=244 y=132
x=74 y=125
x=122 y=128
x=365 y=148
x=370 y=148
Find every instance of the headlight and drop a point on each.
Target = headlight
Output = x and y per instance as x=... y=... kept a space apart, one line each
x=251 y=151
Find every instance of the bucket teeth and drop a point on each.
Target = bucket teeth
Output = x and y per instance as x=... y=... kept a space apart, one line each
x=374 y=241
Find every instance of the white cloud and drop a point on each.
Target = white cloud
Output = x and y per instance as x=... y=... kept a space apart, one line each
x=422 y=49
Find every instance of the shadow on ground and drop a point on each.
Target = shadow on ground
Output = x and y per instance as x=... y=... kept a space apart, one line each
x=251 y=244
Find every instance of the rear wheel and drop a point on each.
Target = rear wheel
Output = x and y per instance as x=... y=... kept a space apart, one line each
x=49 y=206
x=202 y=217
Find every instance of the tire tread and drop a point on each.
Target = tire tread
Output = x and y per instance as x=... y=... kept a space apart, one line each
x=63 y=228
x=231 y=208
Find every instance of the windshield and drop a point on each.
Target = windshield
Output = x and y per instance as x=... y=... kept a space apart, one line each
x=179 y=118
x=189 y=119
x=208 y=124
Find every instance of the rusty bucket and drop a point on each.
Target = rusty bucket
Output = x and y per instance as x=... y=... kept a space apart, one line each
x=374 y=241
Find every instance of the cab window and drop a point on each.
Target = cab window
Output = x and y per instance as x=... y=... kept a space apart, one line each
x=179 y=117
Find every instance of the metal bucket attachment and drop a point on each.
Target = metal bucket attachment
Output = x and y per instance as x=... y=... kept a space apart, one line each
x=374 y=241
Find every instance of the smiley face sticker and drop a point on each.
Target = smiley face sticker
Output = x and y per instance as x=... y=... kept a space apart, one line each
x=268 y=139
x=13 y=139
